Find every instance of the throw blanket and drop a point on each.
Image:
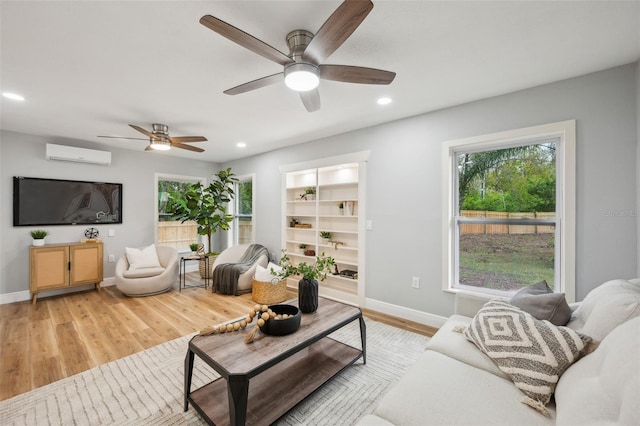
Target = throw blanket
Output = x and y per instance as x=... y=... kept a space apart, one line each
x=225 y=276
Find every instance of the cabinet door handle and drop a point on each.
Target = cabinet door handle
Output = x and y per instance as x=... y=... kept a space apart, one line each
x=69 y=265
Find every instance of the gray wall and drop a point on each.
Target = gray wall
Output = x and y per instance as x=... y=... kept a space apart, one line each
x=24 y=155
x=404 y=181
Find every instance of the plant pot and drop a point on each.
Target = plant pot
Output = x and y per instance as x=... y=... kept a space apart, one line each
x=37 y=243
x=307 y=295
x=310 y=197
x=203 y=263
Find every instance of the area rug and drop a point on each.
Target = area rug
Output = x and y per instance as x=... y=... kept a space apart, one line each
x=147 y=387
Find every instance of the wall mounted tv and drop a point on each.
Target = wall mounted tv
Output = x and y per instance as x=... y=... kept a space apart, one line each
x=38 y=201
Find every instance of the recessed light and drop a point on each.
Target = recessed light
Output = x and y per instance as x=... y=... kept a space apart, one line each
x=241 y=145
x=384 y=101
x=13 y=96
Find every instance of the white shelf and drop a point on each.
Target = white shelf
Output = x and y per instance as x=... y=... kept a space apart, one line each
x=336 y=184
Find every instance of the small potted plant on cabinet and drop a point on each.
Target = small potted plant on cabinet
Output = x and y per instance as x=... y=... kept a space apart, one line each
x=325 y=236
x=38 y=236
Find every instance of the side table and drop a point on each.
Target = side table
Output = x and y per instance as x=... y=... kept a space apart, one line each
x=182 y=272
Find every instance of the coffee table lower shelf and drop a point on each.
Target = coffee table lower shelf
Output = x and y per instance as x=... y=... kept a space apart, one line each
x=278 y=389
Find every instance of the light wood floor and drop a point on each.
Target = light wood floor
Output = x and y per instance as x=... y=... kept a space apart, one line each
x=65 y=335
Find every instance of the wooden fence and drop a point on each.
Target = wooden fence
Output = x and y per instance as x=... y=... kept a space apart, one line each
x=479 y=228
x=177 y=234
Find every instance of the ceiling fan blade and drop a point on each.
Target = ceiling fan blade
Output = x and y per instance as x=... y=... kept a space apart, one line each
x=311 y=100
x=183 y=139
x=143 y=131
x=148 y=148
x=122 y=137
x=340 y=25
x=187 y=147
x=351 y=74
x=256 y=84
x=245 y=40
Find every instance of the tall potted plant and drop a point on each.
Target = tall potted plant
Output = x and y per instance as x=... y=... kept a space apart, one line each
x=308 y=284
x=206 y=205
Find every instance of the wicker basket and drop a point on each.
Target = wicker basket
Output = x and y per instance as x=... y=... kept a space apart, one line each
x=267 y=293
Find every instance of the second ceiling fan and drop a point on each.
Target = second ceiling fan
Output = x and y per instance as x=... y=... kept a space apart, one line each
x=303 y=67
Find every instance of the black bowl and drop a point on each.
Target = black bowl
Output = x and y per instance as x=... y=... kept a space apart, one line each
x=281 y=327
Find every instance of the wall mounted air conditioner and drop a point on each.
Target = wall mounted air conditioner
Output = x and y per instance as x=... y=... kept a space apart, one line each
x=77 y=155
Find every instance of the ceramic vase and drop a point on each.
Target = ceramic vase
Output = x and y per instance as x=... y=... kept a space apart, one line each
x=38 y=242
x=307 y=295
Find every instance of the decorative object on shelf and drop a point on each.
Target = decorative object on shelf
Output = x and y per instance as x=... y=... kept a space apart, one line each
x=341 y=208
x=309 y=252
x=303 y=226
x=337 y=243
x=308 y=285
x=38 y=236
x=325 y=236
x=310 y=193
x=194 y=248
x=348 y=208
x=281 y=320
x=349 y=274
x=293 y=222
x=91 y=233
x=205 y=205
x=302 y=248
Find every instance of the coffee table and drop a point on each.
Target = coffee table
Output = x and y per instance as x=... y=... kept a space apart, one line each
x=263 y=380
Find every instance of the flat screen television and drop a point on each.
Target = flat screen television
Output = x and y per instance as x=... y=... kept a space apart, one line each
x=38 y=201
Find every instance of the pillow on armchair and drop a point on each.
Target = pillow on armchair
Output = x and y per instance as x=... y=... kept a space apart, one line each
x=142 y=258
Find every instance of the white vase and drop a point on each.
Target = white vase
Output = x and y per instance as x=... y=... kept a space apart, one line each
x=38 y=242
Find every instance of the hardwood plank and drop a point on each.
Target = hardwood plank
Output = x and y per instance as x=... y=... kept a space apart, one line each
x=74 y=353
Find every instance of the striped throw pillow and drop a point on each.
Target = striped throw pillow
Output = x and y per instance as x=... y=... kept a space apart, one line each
x=533 y=353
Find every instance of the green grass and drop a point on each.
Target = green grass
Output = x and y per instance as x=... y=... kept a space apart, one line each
x=506 y=262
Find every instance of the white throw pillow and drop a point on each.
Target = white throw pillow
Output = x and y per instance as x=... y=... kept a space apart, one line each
x=264 y=274
x=145 y=258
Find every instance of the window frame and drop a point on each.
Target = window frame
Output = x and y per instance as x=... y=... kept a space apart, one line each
x=232 y=236
x=176 y=178
x=565 y=197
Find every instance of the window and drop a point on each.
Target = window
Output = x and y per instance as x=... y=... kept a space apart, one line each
x=510 y=209
x=242 y=228
x=170 y=232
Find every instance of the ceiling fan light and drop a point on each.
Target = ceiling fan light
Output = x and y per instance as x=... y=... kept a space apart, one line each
x=160 y=145
x=301 y=77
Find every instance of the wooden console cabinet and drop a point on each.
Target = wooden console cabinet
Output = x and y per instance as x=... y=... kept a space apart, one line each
x=56 y=266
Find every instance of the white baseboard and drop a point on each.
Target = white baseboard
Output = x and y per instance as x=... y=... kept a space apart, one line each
x=407 y=313
x=18 y=296
x=21 y=296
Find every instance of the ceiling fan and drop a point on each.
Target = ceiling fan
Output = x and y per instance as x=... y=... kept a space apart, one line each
x=303 y=67
x=159 y=139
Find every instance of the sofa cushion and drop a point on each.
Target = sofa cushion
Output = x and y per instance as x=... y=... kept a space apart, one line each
x=604 y=387
x=142 y=258
x=533 y=353
x=606 y=307
x=541 y=302
x=452 y=343
x=439 y=390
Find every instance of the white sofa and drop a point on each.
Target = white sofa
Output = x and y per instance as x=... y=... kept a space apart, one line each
x=454 y=383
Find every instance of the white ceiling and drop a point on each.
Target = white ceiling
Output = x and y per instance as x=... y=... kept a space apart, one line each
x=90 y=68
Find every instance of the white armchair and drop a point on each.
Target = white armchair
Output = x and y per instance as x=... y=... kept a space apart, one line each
x=233 y=255
x=148 y=281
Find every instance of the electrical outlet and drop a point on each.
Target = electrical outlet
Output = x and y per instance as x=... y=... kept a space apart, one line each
x=112 y=258
x=415 y=282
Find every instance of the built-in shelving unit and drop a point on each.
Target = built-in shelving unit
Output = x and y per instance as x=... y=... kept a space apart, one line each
x=336 y=207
